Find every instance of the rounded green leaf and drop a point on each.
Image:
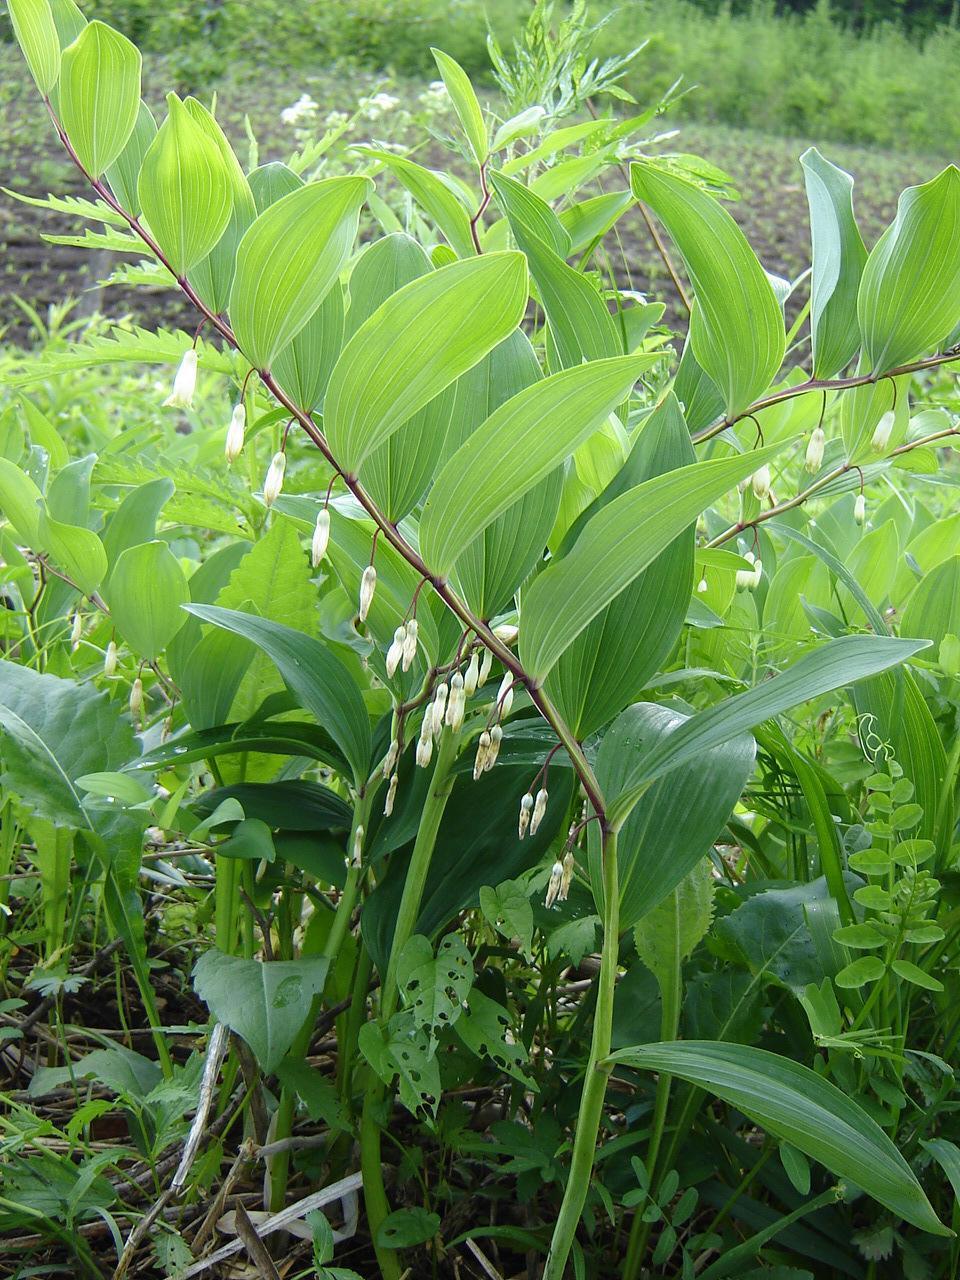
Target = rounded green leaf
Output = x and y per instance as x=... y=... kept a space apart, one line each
x=36 y=34
x=78 y=552
x=147 y=590
x=20 y=501
x=99 y=95
x=185 y=189
x=288 y=260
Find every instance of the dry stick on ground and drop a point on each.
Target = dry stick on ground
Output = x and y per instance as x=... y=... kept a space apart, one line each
x=256 y=1249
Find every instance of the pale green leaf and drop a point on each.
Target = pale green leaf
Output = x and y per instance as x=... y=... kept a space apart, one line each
x=435 y=194
x=77 y=551
x=99 y=94
x=464 y=103
x=36 y=34
x=147 y=589
x=124 y=173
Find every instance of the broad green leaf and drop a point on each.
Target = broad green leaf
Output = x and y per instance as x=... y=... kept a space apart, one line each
x=185 y=189
x=68 y=20
x=434 y=193
x=135 y=520
x=271 y=182
x=124 y=173
x=933 y=609
x=909 y=300
x=36 y=34
x=947 y=1155
x=580 y=325
x=665 y=835
x=75 y=550
x=264 y=1002
x=615 y=547
x=736 y=330
x=669 y=932
x=698 y=394
x=530 y=214
x=589 y=220
x=20 y=502
x=519 y=445
x=99 y=95
x=519 y=126
x=464 y=103
x=314 y=675
x=609 y=662
x=52 y=732
x=146 y=594
x=830 y=666
x=419 y=341
x=793 y=1103
x=436 y=989
x=288 y=260
x=405 y=1228
x=289 y=805
x=838 y=258
x=304 y=365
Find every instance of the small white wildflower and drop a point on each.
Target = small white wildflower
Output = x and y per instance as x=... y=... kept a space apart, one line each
x=76 y=632
x=505 y=694
x=813 y=460
x=300 y=110
x=485 y=666
x=184 y=383
x=472 y=677
x=757 y=573
x=860 y=509
x=506 y=633
x=391 y=795
x=526 y=809
x=760 y=482
x=233 y=445
x=553 y=885
x=136 y=698
x=883 y=432
x=357 y=847
x=368 y=585
x=702 y=586
x=321 y=537
x=424 y=752
x=409 y=644
x=439 y=708
x=274 y=481
x=569 y=862
x=456 y=702
x=539 y=810
x=335 y=119
x=745 y=580
x=392 y=756
x=395 y=652
x=379 y=104
x=483 y=750
x=496 y=738
x=110 y=659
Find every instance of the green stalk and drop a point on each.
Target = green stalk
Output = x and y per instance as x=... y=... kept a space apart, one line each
x=595 y=1079
x=744 y=1253
x=225 y=903
x=374 y=1192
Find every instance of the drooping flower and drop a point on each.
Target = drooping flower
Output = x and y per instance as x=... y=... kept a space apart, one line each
x=274 y=481
x=321 y=537
x=233 y=445
x=184 y=382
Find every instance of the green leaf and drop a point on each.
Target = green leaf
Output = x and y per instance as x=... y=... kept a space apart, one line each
x=507 y=908
x=947 y=1155
x=54 y=732
x=314 y=675
x=36 y=35
x=798 y=1106
x=433 y=191
x=20 y=502
x=75 y=550
x=288 y=260
x=615 y=547
x=736 y=330
x=405 y=1228
x=673 y=929
x=909 y=300
x=580 y=325
x=135 y=520
x=911 y=972
x=519 y=445
x=124 y=173
x=289 y=805
x=185 y=189
x=838 y=258
x=859 y=972
x=304 y=365
x=530 y=215
x=487 y=1030
x=251 y=840
x=665 y=836
x=147 y=591
x=419 y=341
x=265 y=1003
x=464 y=103
x=99 y=95
x=436 y=989
x=829 y=666
x=933 y=610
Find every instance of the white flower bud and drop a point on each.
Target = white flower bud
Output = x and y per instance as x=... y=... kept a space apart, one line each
x=274 y=481
x=391 y=795
x=483 y=750
x=702 y=586
x=424 y=752
x=368 y=585
x=439 y=708
x=76 y=632
x=426 y=724
x=860 y=509
x=526 y=809
x=184 y=383
x=235 y=432
x=456 y=702
x=485 y=666
x=110 y=659
x=883 y=432
x=395 y=652
x=357 y=847
x=321 y=537
x=496 y=738
x=539 y=809
x=409 y=644
x=553 y=885
x=472 y=677
x=506 y=633
x=813 y=460
x=392 y=756
x=757 y=573
x=136 y=698
x=760 y=482
x=505 y=694
x=566 y=879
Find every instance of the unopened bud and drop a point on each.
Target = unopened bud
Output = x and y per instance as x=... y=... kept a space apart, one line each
x=321 y=537
x=702 y=586
x=813 y=460
x=506 y=633
x=184 y=382
x=395 y=652
x=76 y=632
x=569 y=862
x=760 y=482
x=392 y=756
x=136 y=698
x=483 y=750
x=424 y=752
x=539 y=809
x=472 y=677
x=505 y=694
x=391 y=795
x=357 y=847
x=485 y=666
x=110 y=659
x=233 y=446
x=553 y=885
x=757 y=573
x=455 y=703
x=526 y=809
x=368 y=585
x=860 y=509
x=883 y=432
x=439 y=708
x=274 y=481
x=409 y=644
x=426 y=724
x=496 y=738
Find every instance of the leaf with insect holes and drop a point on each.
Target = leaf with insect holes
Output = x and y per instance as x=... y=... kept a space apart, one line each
x=486 y=1029
x=436 y=988
x=507 y=908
